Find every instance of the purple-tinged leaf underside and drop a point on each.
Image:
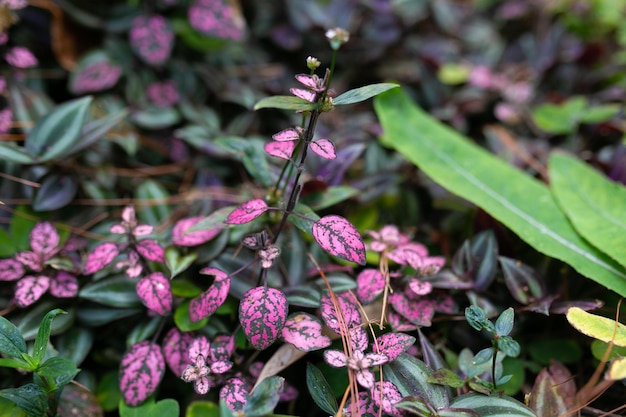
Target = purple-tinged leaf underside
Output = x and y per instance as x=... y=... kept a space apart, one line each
x=64 y=285
x=304 y=331
x=283 y=150
x=101 y=256
x=210 y=300
x=394 y=344
x=262 y=314
x=44 y=239
x=347 y=304
x=340 y=238
x=176 y=350
x=324 y=148
x=419 y=312
x=30 y=289
x=181 y=237
x=141 y=371
x=151 y=250
x=235 y=394
x=247 y=212
x=370 y=283
x=155 y=293
x=288 y=135
x=10 y=270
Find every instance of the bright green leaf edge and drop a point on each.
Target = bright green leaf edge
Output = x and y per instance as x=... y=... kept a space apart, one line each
x=598 y=327
x=594 y=204
x=520 y=202
x=362 y=93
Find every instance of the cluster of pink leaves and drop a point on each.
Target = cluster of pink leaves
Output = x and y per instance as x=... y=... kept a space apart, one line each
x=152 y=39
x=35 y=271
x=215 y=18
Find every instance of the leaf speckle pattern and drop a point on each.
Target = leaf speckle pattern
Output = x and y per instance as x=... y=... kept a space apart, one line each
x=262 y=314
x=247 y=212
x=101 y=256
x=206 y=303
x=339 y=237
x=176 y=349
x=304 y=331
x=141 y=371
x=155 y=293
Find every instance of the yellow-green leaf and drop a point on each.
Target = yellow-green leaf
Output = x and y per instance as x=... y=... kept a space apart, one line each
x=598 y=327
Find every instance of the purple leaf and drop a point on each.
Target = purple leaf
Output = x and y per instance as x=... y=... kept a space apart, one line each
x=30 y=260
x=287 y=135
x=394 y=344
x=176 y=350
x=101 y=256
x=418 y=312
x=283 y=150
x=150 y=250
x=262 y=314
x=370 y=283
x=247 y=212
x=304 y=331
x=180 y=236
x=235 y=394
x=10 y=270
x=44 y=239
x=30 y=289
x=155 y=293
x=141 y=371
x=64 y=285
x=347 y=304
x=340 y=238
x=335 y=358
x=324 y=148
x=209 y=301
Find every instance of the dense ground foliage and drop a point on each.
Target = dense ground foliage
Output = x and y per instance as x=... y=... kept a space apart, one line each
x=367 y=207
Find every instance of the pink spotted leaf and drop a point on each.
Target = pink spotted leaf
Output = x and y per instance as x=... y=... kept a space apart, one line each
x=200 y=346
x=101 y=256
x=176 y=350
x=142 y=230
x=419 y=312
x=210 y=300
x=283 y=150
x=155 y=293
x=287 y=135
x=370 y=283
x=304 y=331
x=30 y=289
x=387 y=398
x=347 y=304
x=221 y=367
x=398 y=323
x=335 y=358
x=394 y=344
x=247 y=212
x=30 y=260
x=141 y=371
x=340 y=238
x=10 y=270
x=150 y=250
x=262 y=314
x=324 y=148
x=358 y=338
x=44 y=239
x=181 y=236
x=64 y=285
x=420 y=287
x=222 y=348
x=235 y=394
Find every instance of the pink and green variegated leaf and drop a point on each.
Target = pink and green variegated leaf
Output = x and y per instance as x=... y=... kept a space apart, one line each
x=155 y=293
x=335 y=358
x=370 y=283
x=398 y=323
x=200 y=346
x=287 y=135
x=30 y=289
x=101 y=256
x=374 y=359
x=141 y=371
x=283 y=150
x=364 y=408
x=247 y=212
x=142 y=230
x=303 y=94
x=221 y=367
x=394 y=344
x=223 y=347
x=324 y=148
x=304 y=331
x=64 y=285
x=443 y=303
x=150 y=250
x=347 y=304
x=420 y=287
x=262 y=314
x=365 y=378
x=30 y=260
x=176 y=349
x=181 y=237
x=44 y=239
x=390 y=396
x=210 y=300
x=235 y=394
x=419 y=312
x=10 y=270
x=340 y=238
x=358 y=338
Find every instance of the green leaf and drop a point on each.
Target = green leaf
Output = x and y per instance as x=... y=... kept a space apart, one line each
x=599 y=114
x=116 y=291
x=264 y=398
x=75 y=344
x=164 y=408
x=329 y=197
x=11 y=341
x=594 y=204
x=16 y=154
x=303 y=218
x=183 y=321
x=303 y=296
x=559 y=119
x=55 y=134
x=95 y=129
x=15 y=363
x=545 y=350
x=410 y=376
x=504 y=323
x=320 y=390
x=446 y=377
x=30 y=398
x=598 y=327
x=43 y=335
x=285 y=103
x=214 y=221
x=143 y=330
x=225 y=411
x=108 y=391
x=30 y=323
x=155 y=117
x=177 y=263
x=453 y=74
x=156 y=208
x=202 y=409
x=519 y=201
x=509 y=346
x=56 y=191
x=57 y=366
x=28 y=105
x=362 y=93
x=492 y=405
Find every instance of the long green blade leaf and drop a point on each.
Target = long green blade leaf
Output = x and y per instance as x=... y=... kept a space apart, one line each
x=520 y=202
